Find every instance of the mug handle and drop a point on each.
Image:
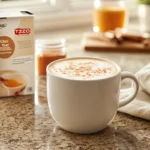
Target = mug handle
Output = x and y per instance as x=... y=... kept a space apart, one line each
x=131 y=96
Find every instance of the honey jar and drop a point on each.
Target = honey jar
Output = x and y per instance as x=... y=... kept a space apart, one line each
x=109 y=15
x=48 y=51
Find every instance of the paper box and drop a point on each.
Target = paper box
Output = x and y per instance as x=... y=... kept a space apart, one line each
x=16 y=53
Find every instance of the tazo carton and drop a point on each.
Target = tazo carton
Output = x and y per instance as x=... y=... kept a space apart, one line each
x=16 y=53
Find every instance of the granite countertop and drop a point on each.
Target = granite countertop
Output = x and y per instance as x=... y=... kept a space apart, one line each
x=26 y=123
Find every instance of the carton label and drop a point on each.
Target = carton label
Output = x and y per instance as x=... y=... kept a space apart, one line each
x=3 y=25
x=7 y=47
x=16 y=55
x=20 y=31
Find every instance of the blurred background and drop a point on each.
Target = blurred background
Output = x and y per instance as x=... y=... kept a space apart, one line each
x=72 y=19
x=56 y=14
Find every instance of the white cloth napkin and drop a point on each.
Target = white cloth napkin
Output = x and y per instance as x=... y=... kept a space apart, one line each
x=140 y=106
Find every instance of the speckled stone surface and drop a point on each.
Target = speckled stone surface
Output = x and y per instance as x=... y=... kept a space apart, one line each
x=26 y=123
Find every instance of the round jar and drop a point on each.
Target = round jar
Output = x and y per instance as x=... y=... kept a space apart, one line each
x=48 y=51
x=109 y=15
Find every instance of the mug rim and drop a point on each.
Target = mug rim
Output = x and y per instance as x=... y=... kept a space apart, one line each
x=50 y=73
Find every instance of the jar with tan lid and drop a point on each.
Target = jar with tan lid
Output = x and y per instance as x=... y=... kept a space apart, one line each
x=48 y=51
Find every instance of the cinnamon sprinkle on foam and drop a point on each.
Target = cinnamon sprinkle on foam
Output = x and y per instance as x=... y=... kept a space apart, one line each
x=83 y=69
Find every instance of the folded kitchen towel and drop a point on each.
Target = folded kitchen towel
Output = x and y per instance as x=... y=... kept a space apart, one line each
x=140 y=106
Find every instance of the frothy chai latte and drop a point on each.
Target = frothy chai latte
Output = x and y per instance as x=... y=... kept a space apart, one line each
x=83 y=68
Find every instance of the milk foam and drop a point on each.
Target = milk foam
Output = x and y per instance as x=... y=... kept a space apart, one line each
x=83 y=69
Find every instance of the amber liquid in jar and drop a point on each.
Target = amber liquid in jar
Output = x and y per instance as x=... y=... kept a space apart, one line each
x=109 y=15
x=108 y=18
x=45 y=58
x=47 y=52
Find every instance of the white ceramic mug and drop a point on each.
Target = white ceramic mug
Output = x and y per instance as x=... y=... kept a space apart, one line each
x=86 y=106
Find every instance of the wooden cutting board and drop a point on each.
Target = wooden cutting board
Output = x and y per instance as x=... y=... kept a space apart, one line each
x=98 y=42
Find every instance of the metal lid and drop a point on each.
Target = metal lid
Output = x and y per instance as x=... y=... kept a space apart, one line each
x=51 y=44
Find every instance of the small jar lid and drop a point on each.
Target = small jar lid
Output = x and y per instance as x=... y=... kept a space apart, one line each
x=51 y=44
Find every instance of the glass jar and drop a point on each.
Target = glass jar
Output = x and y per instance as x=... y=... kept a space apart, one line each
x=109 y=15
x=48 y=51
